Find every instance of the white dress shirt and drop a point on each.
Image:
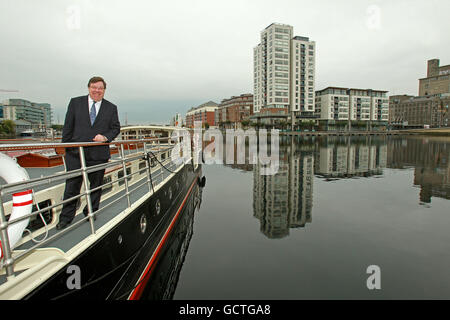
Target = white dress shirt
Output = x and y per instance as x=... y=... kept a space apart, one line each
x=97 y=105
x=97 y=109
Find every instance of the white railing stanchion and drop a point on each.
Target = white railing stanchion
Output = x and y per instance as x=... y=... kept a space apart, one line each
x=125 y=175
x=87 y=189
x=7 y=254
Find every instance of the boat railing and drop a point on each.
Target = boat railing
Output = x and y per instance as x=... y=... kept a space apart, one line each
x=139 y=150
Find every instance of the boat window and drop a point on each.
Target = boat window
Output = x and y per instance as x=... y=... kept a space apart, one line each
x=120 y=175
x=107 y=188
x=163 y=156
x=142 y=165
x=36 y=221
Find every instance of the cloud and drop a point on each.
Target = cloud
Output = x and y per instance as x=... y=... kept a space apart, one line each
x=175 y=53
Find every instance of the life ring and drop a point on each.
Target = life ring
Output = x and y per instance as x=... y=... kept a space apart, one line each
x=11 y=172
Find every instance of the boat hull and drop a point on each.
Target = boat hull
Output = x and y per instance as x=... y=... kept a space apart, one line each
x=121 y=264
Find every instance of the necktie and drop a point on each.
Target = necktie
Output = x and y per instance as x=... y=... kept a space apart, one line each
x=93 y=113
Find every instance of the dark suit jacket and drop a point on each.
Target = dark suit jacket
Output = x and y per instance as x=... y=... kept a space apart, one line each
x=78 y=128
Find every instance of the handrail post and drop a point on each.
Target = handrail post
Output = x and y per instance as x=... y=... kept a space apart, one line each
x=6 y=249
x=124 y=166
x=87 y=189
x=147 y=165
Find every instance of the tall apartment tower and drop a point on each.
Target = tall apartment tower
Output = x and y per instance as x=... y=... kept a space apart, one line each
x=284 y=71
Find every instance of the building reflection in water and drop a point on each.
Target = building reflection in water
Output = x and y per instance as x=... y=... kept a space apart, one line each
x=285 y=200
x=430 y=158
x=342 y=158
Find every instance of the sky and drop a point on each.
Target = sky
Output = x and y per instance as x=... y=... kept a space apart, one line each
x=160 y=58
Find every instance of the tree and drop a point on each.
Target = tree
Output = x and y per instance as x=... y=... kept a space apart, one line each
x=8 y=127
x=57 y=126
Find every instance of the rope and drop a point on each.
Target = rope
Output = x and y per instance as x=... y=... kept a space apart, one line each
x=162 y=165
x=43 y=220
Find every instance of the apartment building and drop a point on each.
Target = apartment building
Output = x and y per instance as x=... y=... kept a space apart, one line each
x=232 y=111
x=38 y=114
x=205 y=113
x=337 y=103
x=284 y=73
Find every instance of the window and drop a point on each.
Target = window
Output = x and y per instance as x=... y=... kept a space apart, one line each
x=279 y=68
x=281 y=75
x=120 y=175
x=281 y=55
x=281 y=36
x=107 y=188
x=282 y=62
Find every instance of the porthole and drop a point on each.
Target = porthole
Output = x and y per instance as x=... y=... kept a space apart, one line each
x=143 y=223
x=119 y=239
x=158 y=206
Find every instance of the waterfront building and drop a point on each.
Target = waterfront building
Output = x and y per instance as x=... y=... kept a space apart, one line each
x=437 y=80
x=38 y=114
x=232 y=111
x=430 y=108
x=416 y=112
x=284 y=75
x=351 y=104
x=205 y=113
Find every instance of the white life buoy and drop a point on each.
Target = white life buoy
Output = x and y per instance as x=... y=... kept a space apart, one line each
x=11 y=172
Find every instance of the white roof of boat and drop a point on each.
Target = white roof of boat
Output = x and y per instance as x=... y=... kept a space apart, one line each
x=151 y=127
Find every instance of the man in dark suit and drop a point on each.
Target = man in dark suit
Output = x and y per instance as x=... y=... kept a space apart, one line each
x=88 y=118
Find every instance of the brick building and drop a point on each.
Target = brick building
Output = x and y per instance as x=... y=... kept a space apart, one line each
x=232 y=111
x=204 y=113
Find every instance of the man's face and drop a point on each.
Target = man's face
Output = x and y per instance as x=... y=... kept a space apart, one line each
x=97 y=91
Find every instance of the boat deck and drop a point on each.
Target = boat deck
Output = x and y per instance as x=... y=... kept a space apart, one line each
x=50 y=248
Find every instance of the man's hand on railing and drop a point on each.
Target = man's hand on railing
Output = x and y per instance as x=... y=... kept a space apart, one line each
x=100 y=138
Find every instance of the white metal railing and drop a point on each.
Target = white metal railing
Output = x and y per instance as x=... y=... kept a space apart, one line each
x=145 y=149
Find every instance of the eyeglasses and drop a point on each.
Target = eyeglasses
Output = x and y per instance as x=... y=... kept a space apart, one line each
x=97 y=88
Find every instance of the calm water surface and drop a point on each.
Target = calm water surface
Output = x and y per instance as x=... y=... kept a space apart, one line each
x=335 y=207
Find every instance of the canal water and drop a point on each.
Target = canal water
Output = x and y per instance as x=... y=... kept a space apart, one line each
x=359 y=218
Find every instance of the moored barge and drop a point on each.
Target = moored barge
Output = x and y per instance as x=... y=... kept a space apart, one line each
x=112 y=253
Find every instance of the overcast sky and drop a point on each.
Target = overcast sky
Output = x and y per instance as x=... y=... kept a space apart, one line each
x=163 y=57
